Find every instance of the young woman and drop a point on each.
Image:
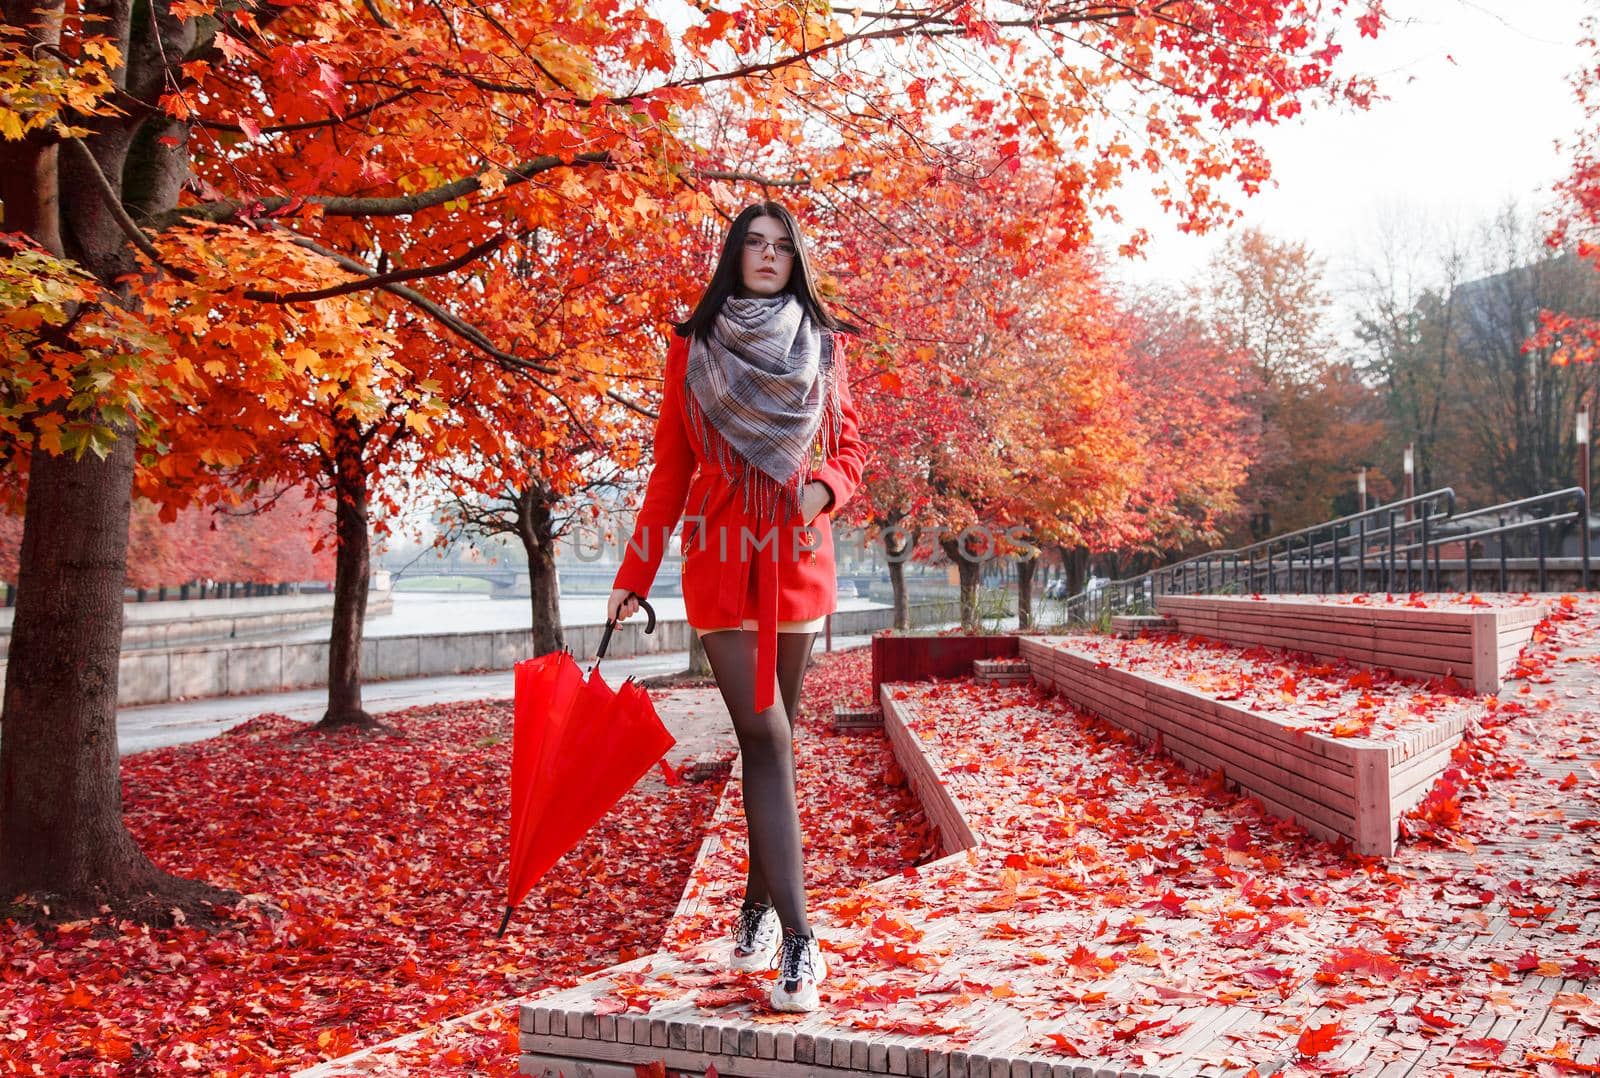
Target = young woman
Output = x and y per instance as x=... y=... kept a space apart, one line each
x=758 y=435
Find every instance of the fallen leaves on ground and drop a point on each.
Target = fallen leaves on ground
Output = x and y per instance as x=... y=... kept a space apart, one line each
x=373 y=875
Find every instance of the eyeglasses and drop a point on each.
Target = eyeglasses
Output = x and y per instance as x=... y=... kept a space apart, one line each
x=781 y=248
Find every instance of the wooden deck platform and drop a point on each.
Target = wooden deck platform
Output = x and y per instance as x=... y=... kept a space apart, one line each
x=1218 y=968
x=680 y=1008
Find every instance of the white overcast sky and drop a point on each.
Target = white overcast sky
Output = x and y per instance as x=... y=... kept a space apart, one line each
x=1478 y=95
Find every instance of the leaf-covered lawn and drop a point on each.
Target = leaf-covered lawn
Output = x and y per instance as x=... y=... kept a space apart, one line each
x=373 y=871
x=373 y=875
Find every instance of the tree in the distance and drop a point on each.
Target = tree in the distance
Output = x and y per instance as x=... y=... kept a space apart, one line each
x=1196 y=437
x=1319 y=422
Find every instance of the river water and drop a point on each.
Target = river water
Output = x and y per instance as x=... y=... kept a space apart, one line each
x=427 y=613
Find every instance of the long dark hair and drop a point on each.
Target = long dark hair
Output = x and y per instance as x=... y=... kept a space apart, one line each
x=726 y=279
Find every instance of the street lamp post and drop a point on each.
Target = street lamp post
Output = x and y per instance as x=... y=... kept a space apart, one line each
x=1411 y=476
x=1361 y=489
x=1583 y=452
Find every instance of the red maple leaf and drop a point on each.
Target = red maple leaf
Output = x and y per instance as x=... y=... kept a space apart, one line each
x=1314 y=1040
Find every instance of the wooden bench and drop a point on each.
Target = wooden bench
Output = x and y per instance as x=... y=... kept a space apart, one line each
x=1475 y=645
x=1351 y=788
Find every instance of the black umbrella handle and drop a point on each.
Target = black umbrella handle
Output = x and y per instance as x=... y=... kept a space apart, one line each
x=650 y=626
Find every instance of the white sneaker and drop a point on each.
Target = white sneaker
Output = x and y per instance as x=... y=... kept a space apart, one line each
x=755 y=939
x=800 y=970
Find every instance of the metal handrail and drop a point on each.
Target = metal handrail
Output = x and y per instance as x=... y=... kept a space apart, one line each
x=1321 y=550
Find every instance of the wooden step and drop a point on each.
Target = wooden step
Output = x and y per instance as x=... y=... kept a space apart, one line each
x=707 y=767
x=847 y=719
x=1001 y=671
x=1132 y=625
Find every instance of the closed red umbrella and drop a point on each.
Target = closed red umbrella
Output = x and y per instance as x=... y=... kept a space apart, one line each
x=577 y=747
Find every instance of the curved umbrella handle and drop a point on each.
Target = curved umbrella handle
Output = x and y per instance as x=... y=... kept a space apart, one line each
x=650 y=626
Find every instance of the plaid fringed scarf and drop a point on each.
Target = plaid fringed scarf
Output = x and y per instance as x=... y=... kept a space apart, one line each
x=763 y=401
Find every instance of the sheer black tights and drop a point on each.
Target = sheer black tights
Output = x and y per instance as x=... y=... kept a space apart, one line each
x=766 y=743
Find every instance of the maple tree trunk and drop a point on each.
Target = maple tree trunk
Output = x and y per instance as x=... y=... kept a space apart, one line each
x=969 y=570
x=352 y=576
x=895 y=546
x=62 y=838
x=538 y=540
x=1075 y=565
x=1025 y=569
x=699 y=662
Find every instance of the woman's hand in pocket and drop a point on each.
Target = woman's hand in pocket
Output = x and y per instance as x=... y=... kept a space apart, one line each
x=813 y=500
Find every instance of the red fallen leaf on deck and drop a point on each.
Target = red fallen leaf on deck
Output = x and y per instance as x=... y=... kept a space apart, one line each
x=1528 y=962
x=1064 y=1044
x=1560 y=1057
x=899 y=956
x=654 y=1069
x=1487 y=1047
x=1086 y=960
x=1263 y=976
x=1314 y=1040
x=910 y=1027
x=1172 y=902
x=878 y=996
x=1351 y=727
x=77 y=998
x=609 y=1005
x=1437 y=1021
x=1127 y=1033
x=716 y=998
x=1567 y=783
x=1360 y=961
x=888 y=925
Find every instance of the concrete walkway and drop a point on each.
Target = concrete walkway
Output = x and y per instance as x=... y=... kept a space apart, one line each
x=159 y=725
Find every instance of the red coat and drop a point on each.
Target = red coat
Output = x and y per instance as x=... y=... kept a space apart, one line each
x=791 y=583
